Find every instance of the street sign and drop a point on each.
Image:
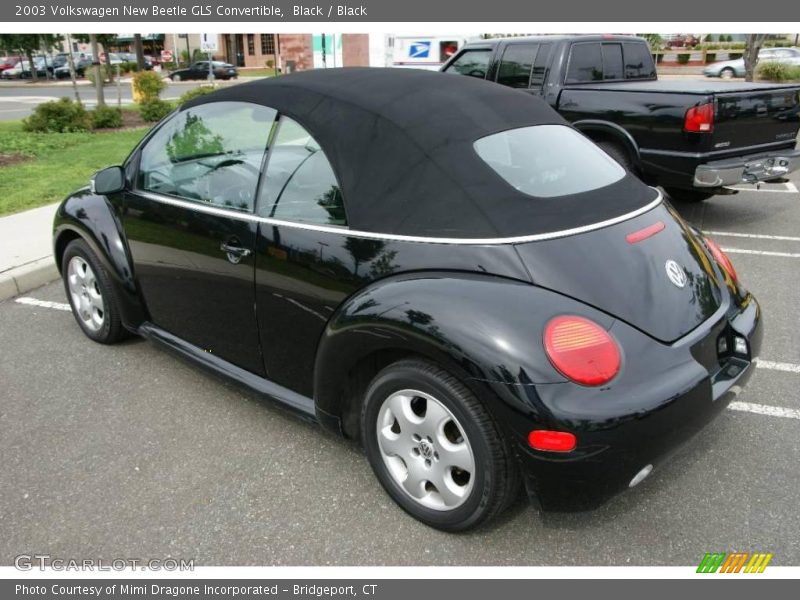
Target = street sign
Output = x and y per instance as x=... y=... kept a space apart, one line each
x=166 y=56
x=208 y=42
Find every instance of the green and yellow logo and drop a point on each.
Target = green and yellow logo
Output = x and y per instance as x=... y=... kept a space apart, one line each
x=734 y=562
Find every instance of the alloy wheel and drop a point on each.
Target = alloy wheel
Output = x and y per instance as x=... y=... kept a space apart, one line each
x=425 y=450
x=87 y=299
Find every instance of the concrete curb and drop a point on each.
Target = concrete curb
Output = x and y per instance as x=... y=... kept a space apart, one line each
x=20 y=280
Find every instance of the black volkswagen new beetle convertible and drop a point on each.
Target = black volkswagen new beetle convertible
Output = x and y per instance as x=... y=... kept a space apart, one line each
x=438 y=267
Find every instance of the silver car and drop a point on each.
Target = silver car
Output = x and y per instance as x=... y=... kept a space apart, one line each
x=735 y=68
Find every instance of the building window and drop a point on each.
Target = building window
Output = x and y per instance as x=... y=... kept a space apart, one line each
x=251 y=44
x=267 y=43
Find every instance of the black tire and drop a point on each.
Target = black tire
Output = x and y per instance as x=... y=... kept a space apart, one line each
x=618 y=153
x=496 y=480
x=111 y=330
x=727 y=73
x=175 y=77
x=688 y=196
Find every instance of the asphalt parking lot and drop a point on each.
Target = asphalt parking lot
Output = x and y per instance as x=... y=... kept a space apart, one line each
x=126 y=451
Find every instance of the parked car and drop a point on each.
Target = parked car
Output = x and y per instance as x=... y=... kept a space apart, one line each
x=199 y=70
x=22 y=70
x=694 y=138
x=460 y=280
x=8 y=62
x=81 y=65
x=735 y=68
x=682 y=41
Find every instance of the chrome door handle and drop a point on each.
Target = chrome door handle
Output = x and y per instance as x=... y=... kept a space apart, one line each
x=234 y=253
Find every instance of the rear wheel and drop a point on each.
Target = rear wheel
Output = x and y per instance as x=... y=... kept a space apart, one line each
x=618 y=153
x=727 y=73
x=684 y=195
x=434 y=447
x=176 y=77
x=91 y=294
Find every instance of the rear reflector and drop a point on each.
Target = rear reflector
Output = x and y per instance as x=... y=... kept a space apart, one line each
x=643 y=234
x=721 y=258
x=552 y=441
x=699 y=119
x=581 y=350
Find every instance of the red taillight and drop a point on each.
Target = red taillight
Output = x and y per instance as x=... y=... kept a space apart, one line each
x=581 y=350
x=721 y=258
x=552 y=441
x=699 y=119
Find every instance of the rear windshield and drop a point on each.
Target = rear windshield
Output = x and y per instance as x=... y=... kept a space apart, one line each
x=546 y=161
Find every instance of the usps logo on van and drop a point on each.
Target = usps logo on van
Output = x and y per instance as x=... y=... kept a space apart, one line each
x=419 y=50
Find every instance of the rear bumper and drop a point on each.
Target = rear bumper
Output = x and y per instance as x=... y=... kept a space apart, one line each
x=747 y=169
x=612 y=451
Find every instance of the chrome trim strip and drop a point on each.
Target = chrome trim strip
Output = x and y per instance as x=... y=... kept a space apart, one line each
x=730 y=152
x=234 y=214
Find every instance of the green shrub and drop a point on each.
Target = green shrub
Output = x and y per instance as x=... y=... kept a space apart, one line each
x=147 y=85
x=683 y=58
x=105 y=73
x=195 y=93
x=58 y=116
x=775 y=71
x=106 y=117
x=154 y=109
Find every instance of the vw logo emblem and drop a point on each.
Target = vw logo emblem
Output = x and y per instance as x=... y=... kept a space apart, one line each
x=676 y=273
x=425 y=449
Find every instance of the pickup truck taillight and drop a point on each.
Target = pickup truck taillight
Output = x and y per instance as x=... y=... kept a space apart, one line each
x=699 y=119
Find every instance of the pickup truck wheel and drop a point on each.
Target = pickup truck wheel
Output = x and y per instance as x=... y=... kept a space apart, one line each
x=435 y=448
x=91 y=294
x=683 y=195
x=618 y=153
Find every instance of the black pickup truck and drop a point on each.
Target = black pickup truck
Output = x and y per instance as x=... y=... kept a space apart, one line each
x=693 y=138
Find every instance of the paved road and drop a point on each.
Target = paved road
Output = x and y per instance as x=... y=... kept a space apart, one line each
x=126 y=451
x=17 y=100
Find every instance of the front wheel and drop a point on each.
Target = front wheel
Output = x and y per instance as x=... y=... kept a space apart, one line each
x=684 y=195
x=727 y=73
x=91 y=294
x=435 y=448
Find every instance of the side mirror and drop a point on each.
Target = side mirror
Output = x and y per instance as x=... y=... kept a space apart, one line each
x=108 y=181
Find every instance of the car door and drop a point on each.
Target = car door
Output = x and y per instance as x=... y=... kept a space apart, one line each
x=191 y=229
x=306 y=265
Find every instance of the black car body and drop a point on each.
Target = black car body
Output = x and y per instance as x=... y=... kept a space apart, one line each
x=321 y=236
x=81 y=64
x=200 y=70
x=691 y=137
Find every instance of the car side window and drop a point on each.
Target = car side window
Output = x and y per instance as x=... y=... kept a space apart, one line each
x=612 y=61
x=585 y=63
x=211 y=153
x=474 y=63
x=539 y=73
x=516 y=65
x=638 y=61
x=299 y=184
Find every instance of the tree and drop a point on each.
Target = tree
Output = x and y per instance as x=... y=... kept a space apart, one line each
x=751 y=49
x=139 y=50
x=98 y=77
x=72 y=73
x=29 y=44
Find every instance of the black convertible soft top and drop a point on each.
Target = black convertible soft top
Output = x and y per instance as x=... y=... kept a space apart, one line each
x=401 y=144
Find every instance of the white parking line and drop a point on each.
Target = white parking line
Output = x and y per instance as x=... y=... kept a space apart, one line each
x=777 y=366
x=763 y=409
x=754 y=236
x=43 y=303
x=762 y=252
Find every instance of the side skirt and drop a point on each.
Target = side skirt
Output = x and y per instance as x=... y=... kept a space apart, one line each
x=297 y=403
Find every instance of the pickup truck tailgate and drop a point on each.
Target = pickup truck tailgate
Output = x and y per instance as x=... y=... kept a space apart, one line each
x=756 y=116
